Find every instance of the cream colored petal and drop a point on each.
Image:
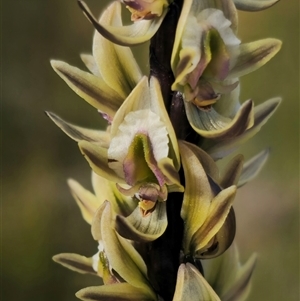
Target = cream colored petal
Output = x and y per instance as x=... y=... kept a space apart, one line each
x=210 y=124
x=192 y=286
x=262 y=113
x=232 y=171
x=134 y=34
x=253 y=56
x=78 y=133
x=254 y=5
x=253 y=166
x=90 y=63
x=87 y=202
x=91 y=88
x=114 y=292
x=143 y=228
x=216 y=216
x=116 y=64
x=75 y=262
x=197 y=197
x=98 y=160
x=121 y=261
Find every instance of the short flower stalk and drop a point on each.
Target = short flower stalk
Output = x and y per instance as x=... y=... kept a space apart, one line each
x=162 y=210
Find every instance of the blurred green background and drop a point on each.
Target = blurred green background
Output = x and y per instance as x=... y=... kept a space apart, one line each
x=39 y=216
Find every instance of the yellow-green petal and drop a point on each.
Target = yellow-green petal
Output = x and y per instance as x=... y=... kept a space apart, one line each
x=253 y=56
x=262 y=113
x=78 y=133
x=229 y=278
x=216 y=216
x=222 y=240
x=76 y=263
x=232 y=171
x=129 y=35
x=197 y=197
x=98 y=160
x=114 y=292
x=87 y=201
x=107 y=190
x=90 y=63
x=206 y=160
x=91 y=88
x=171 y=175
x=192 y=286
x=116 y=64
x=121 y=261
x=253 y=166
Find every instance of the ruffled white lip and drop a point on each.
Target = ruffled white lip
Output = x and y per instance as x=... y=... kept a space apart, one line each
x=141 y=121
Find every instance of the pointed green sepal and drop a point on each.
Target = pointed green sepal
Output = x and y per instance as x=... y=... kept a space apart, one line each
x=87 y=202
x=90 y=63
x=115 y=63
x=232 y=172
x=78 y=133
x=192 y=286
x=222 y=240
x=230 y=279
x=76 y=263
x=114 y=292
x=122 y=256
x=253 y=56
x=262 y=113
x=91 y=88
x=253 y=166
x=98 y=160
x=216 y=216
x=107 y=190
x=198 y=195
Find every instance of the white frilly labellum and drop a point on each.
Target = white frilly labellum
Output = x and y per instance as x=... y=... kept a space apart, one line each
x=138 y=122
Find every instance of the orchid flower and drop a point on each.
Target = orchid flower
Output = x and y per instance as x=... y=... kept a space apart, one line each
x=207 y=61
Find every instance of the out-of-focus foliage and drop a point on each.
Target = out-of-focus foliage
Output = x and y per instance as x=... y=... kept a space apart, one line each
x=39 y=216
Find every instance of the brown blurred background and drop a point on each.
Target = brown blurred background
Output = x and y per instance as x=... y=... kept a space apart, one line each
x=39 y=216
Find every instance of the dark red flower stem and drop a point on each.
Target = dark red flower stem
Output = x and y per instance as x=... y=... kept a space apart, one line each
x=164 y=254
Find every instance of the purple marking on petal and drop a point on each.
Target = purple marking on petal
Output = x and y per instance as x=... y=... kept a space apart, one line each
x=135 y=5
